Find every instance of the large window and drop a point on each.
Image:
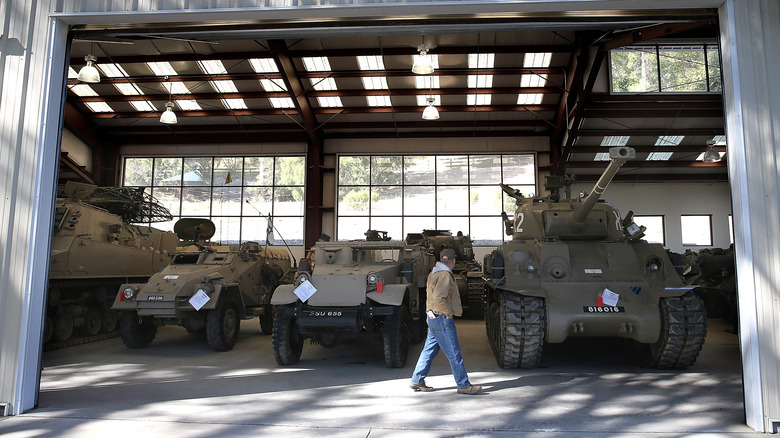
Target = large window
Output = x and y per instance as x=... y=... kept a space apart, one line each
x=236 y=193
x=675 y=69
x=407 y=194
x=696 y=230
x=655 y=228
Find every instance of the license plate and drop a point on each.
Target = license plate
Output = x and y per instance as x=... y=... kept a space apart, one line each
x=603 y=309
x=324 y=313
x=155 y=298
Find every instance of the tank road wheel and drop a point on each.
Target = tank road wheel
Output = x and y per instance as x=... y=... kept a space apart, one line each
x=287 y=340
x=396 y=337
x=683 y=329
x=48 y=329
x=515 y=326
x=222 y=325
x=63 y=327
x=110 y=320
x=476 y=298
x=136 y=332
x=267 y=319
x=92 y=323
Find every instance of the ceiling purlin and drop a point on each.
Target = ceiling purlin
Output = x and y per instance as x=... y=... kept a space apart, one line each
x=561 y=122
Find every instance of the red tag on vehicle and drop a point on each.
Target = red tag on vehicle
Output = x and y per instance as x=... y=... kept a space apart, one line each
x=600 y=301
x=379 y=287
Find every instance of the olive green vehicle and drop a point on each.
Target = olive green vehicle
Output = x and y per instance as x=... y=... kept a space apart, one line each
x=467 y=271
x=361 y=289
x=574 y=268
x=94 y=249
x=205 y=288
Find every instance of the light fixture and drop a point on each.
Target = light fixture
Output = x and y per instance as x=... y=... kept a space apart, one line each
x=89 y=73
x=711 y=156
x=168 y=117
x=423 y=65
x=430 y=112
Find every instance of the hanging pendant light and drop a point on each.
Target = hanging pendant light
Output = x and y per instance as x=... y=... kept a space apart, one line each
x=711 y=156
x=422 y=63
x=168 y=117
x=89 y=73
x=430 y=112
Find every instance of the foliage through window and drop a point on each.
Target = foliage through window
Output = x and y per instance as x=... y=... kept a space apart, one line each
x=236 y=193
x=668 y=69
x=407 y=194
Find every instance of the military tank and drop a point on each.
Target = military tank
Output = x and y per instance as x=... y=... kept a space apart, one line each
x=206 y=288
x=467 y=271
x=372 y=290
x=574 y=268
x=94 y=249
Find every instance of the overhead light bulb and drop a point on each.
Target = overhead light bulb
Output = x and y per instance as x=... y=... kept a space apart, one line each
x=89 y=73
x=422 y=63
x=168 y=117
x=711 y=156
x=430 y=112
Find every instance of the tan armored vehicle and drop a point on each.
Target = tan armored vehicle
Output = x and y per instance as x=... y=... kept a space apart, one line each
x=357 y=289
x=94 y=249
x=574 y=268
x=467 y=271
x=205 y=288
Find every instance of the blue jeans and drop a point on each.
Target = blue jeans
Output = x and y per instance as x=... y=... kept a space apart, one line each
x=441 y=336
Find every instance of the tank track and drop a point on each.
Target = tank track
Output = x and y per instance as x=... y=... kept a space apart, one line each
x=476 y=298
x=516 y=327
x=683 y=330
x=78 y=340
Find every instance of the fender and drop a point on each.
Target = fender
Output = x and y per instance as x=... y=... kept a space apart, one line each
x=284 y=294
x=229 y=291
x=392 y=294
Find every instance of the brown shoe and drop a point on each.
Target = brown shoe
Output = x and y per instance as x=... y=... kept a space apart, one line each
x=470 y=390
x=420 y=387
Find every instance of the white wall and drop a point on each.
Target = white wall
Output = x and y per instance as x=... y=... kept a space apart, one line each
x=77 y=150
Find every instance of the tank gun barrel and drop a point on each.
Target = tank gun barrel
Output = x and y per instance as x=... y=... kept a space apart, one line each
x=511 y=192
x=618 y=156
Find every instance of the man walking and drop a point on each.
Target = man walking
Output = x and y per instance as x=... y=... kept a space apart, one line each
x=443 y=302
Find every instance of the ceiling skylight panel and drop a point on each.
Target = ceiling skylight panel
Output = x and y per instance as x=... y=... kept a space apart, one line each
x=224 y=86
x=263 y=65
x=281 y=102
x=72 y=73
x=188 y=104
x=375 y=83
x=83 y=90
x=175 y=87
x=318 y=63
x=330 y=102
x=529 y=99
x=601 y=156
x=482 y=60
x=372 y=62
x=669 y=140
x=479 y=99
x=129 y=89
x=480 y=81
x=99 y=107
x=533 y=80
x=423 y=100
x=234 y=103
x=659 y=156
x=212 y=67
x=378 y=100
x=273 y=85
x=163 y=68
x=324 y=84
x=719 y=140
x=425 y=82
x=142 y=105
x=542 y=59
x=112 y=70
x=615 y=140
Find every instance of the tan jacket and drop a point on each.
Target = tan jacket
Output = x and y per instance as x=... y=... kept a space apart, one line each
x=443 y=297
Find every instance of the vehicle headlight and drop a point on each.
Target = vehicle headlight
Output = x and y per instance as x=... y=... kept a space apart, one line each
x=372 y=278
x=129 y=293
x=301 y=277
x=655 y=266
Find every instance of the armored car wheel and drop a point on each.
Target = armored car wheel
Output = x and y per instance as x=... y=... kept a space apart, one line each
x=683 y=329
x=515 y=326
x=396 y=337
x=135 y=332
x=287 y=340
x=222 y=325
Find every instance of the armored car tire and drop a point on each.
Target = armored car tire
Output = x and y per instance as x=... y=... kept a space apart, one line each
x=287 y=339
x=516 y=327
x=396 y=337
x=136 y=332
x=222 y=325
x=683 y=330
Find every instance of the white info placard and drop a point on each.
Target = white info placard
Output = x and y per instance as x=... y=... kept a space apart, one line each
x=610 y=298
x=199 y=299
x=305 y=290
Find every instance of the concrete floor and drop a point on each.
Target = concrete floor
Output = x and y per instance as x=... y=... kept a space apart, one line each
x=178 y=387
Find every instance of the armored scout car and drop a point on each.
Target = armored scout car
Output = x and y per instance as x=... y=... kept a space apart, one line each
x=205 y=288
x=574 y=268
x=368 y=289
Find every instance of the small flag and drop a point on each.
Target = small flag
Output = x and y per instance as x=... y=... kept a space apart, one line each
x=228 y=180
x=269 y=232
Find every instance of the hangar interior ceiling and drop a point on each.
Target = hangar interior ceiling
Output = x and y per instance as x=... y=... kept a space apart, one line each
x=309 y=81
